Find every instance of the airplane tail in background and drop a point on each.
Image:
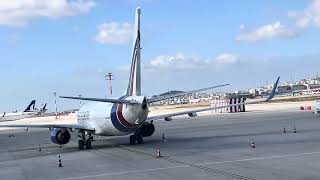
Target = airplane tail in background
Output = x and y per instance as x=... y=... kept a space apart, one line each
x=134 y=86
x=43 y=109
x=31 y=106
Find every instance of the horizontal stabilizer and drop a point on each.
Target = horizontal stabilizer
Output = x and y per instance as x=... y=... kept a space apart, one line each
x=102 y=100
x=159 y=98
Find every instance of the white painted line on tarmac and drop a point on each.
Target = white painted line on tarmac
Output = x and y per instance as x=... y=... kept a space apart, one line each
x=183 y=166
x=124 y=172
x=260 y=158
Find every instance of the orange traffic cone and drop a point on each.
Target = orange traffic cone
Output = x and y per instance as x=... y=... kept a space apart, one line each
x=159 y=153
x=252 y=144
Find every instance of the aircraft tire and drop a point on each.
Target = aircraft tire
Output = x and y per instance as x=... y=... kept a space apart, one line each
x=88 y=144
x=140 y=139
x=132 y=140
x=80 y=145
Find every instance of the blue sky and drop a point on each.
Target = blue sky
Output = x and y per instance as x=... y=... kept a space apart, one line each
x=68 y=45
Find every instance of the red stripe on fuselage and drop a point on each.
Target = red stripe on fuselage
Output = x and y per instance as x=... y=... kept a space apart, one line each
x=121 y=118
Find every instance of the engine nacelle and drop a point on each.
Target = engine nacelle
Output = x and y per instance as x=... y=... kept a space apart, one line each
x=147 y=129
x=60 y=136
x=192 y=114
x=168 y=118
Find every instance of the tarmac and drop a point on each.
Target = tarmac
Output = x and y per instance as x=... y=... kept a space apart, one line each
x=205 y=147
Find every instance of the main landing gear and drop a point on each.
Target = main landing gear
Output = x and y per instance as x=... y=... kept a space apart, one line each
x=85 y=140
x=146 y=130
x=136 y=137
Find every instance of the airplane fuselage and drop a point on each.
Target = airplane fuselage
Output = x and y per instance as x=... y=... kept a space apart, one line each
x=114 y=119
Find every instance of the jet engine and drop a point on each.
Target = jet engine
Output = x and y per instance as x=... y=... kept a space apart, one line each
x=147 y=129
x=60 y=136
x=168 y=118
x=193 y=114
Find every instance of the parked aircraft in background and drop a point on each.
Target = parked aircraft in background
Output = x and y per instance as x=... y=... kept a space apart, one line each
x=125 y=115
x=30 y=111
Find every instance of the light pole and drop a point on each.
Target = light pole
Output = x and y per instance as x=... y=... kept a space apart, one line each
x=80 y=95
x=109 y=78
x=55 y=103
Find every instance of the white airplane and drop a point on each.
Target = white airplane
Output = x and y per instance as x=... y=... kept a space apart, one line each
x=30 y=111
x=123 y=116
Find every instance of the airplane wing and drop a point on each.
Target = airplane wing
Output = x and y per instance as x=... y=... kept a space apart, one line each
x=192 y=112
x=50 y=126
x=159 y=98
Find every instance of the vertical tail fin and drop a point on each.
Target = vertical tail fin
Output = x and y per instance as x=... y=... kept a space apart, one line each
x=43 y=109
x=32 y=104
x=134 y=86
x=273 y=92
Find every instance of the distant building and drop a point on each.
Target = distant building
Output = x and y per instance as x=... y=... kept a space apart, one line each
x=299 y=87
x=314 y=86
x=285 y=89
x=192 y=101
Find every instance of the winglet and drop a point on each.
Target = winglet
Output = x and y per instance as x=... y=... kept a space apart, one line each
x=273 y=90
